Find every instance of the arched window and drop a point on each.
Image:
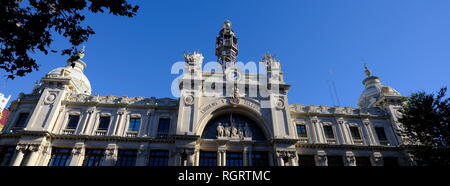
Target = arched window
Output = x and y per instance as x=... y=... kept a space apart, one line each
x=232 y=126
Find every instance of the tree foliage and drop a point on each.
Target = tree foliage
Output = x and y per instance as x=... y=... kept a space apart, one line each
x=27 y=26
x=425 y=121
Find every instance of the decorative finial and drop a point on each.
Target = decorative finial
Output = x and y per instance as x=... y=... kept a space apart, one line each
x=227 y=24
x=368 y=72
x=267 y=57
x=81 y=53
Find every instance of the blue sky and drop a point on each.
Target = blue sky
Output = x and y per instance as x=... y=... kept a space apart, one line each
x=405 y=42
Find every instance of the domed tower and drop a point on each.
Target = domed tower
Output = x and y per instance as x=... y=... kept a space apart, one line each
x=376 y=94
x=53 y=89
x=383 y=97
x=226 y=45
x=71 y=75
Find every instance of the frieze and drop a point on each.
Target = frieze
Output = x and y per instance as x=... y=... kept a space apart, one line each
x=217 y=103
x=81 y=98
x=325 y=110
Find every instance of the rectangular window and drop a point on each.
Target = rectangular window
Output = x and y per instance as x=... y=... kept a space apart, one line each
x=159 y=158
x=306 y=160
x=363 y=161
x=73 y=121
x=381 y=134
x=335 y=161
x=93 y=157
x=126 y=158
x=21 y=121
x=208 y=158
x=354 y=130
x=6 y=154
x=328 y=129
x=60 y=157
x=163 y=128
x=260 y=159
x=301 y=131
x=104 y=123
x=135 y=123
x=235 y=159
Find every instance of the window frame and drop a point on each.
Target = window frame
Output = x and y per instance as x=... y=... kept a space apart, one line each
x=69 y=119
x=97 y=157
x=134 y=129
x=60 y=159
x=301 y=135
x=163 y=134
x=332 y=131
x=19 y=119
x=125 y=159
x=100 y=123
x=6 y=155
x=208 y=161
x=154 y=159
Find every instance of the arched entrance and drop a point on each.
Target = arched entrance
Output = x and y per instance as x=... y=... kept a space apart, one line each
x=232 y=126
x=235 y=136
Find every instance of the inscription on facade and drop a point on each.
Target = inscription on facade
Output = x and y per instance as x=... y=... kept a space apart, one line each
x=221 y=102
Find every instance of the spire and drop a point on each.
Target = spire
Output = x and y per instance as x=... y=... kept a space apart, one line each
x=226 y=45
x=78 y=64
x=368 y=72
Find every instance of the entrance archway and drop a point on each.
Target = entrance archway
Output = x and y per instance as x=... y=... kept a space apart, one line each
x=232 y=125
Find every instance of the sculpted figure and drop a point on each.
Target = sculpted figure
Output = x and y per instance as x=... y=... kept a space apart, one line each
x=220 y=130
x=241 y=132
x=234 y=132
x=227 y=131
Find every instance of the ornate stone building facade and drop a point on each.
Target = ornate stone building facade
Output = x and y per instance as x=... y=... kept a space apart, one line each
x=60 y=123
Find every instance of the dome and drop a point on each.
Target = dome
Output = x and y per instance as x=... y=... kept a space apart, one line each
x=374 y=91
x=78 y=81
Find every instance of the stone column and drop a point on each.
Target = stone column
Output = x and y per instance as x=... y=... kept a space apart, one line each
x=142 y=155
x=177 y=158
x=369 y=132
x=110 y=155
x=197 y=157
x=35 y=151
x=219 y=158
x=190 y=157
x=224 y=158
x=321 y=158
x=350 y=159
x=77 y=155
x=342 y=131
x=245 y=157
x=316 y=129
x=89 y=121
x=280 y=156
x=20 y=152
x=250 y=159
x=292 y=158
x=271 y=158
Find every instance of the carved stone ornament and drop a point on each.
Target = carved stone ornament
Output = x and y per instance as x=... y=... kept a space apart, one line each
x=34 y=147
x=235 y=99
x=21 y=147
x=350 y=158
x=142 y=151
x=279 y=104
x=340 y=121
x=189 y=100
x=50 y=98
x=109 y=152
x=77 y=150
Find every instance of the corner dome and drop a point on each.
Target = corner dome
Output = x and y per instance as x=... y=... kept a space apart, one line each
x=374 y=90
x=73 y=70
